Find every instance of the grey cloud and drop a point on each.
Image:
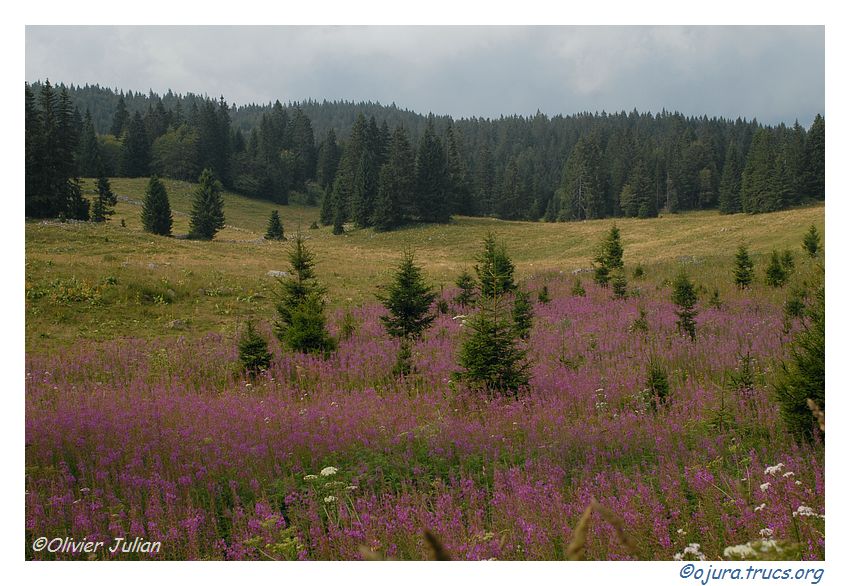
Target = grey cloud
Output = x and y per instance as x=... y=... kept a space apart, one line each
x=772 y=73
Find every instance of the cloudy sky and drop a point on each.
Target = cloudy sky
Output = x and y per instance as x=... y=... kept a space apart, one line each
x=775 y=74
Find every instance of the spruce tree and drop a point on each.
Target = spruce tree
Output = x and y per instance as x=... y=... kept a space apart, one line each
x=431 y=183
x=609 y=258
x=815 y=166
x=730 y=182
x=104 y=202
x=490 y=356
x=135 y=152
x=619 y=285
x=207 y=208
x=119 y=119
x=466 y=283
x=495 y=269
x=254 y=352
x=743 y=268
x=685 y=297
x=811 y=242
x=89 y=156
x=775 y=274
x=396 y=184
x=803 y=376
x=408 y=300
x=301 y=319
x=274 y=230
x=156 y=210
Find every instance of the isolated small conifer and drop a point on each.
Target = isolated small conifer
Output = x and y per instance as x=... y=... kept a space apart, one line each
x=685 y=297
x=104 y=202
x=207 y=208
x=274 y=230
x=743 y=268
x=811 y=242
x=466 y=284
x=775 y=275
x=495 y=269
x=408 y=301
x=253 y=350
x=156 y=211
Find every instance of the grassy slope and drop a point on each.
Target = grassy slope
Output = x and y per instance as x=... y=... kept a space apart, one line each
x=210 y=286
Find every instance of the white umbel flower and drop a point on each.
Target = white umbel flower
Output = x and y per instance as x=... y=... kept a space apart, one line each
x=328 y=471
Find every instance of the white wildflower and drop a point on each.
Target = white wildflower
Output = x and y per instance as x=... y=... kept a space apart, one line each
x=764 y=486
x=693 y=549
x=266 y=419
x=678 y=557
x=798 y=483
x=680 y=531
x=351 y=487
x=85 y=489
x=742 y=551
x=760 y=507
x=766 y=532
x=310 y=477
x=330 y=499
x=328 y=471
x=772 y=470
x=787 y=474
x=804 y=511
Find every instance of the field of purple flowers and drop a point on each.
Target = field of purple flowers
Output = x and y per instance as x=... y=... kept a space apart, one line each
x=328 y=459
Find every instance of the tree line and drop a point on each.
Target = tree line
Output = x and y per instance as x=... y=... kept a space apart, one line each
x=382 y=166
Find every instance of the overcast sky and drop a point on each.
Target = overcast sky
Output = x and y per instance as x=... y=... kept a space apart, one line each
x=774 y=74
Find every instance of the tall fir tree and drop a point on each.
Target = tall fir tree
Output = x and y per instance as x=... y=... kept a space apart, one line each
x=207 y=216
x=135 y=152
x=757 y=179
x=156 y=209
x=120 y=118
x=729 y=199
x=815 y=160
x=105 y=200
x=89 y=153
x=432 y=198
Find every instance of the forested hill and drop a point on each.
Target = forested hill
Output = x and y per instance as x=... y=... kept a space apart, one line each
x=384 y=165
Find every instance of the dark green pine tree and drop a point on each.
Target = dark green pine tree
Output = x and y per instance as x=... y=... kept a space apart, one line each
x=104 y=202
x=36 y=191
x=365 y=190
x=782 y=192
x=743 y=268
x=396 y=183
x=120 y=119
x=460 y=192
x=729 y=199
x=207 y=216
x=495 y=269
x=301 y=308
x=581 y=190
x=803 y=376
x=274 y=230
x=523 y=314
x=68 y=127
x=490 y=357
x=254 y=352
x=757 y=179
x=644 y=191
x=815 y=153
x=609 y=258
x=328 y=161
x=326 y=212
x=89 y=154
x=135 y=152
x=408 y=301
x=156 y=210
x=432 y=201
x=509 y=203
x=619 y=285
x=466 y=284
x=775 y=275
x=685 y=297
x=811 y=242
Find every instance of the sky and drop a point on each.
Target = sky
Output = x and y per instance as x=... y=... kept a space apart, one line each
x=771 y=73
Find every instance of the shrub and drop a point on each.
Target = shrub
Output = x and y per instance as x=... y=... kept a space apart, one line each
x=254 y=352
